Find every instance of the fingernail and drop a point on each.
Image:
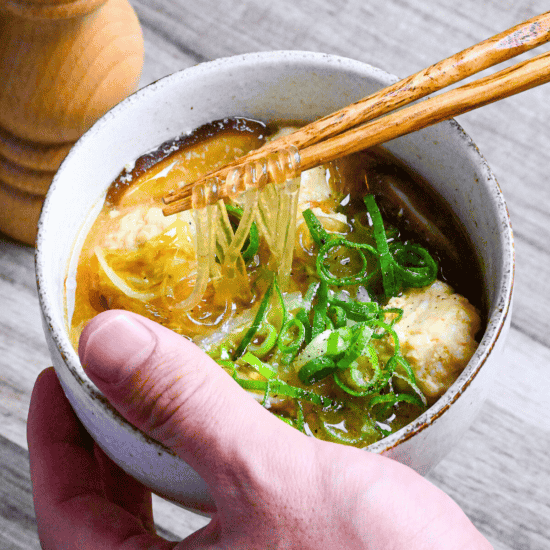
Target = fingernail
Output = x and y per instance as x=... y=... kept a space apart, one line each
x=113 y=349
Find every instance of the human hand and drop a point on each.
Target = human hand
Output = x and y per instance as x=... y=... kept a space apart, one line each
x=273 y=486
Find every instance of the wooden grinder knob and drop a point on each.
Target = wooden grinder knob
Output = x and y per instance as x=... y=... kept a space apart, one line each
x=63 y=64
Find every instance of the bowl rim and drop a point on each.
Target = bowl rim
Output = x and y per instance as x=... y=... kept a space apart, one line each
x=495 y=323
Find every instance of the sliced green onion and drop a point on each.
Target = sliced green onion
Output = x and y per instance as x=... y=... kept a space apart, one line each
x=258 y=320
x=310 y=294
x=278 y=387
x=414 y=265
x=332 y=343
x=318 y=233
x=279 y=295
x=319 y=346
x=358 y=311
x=266 y=393
x=401 y=361
x=303 y=316
x=297 y=341
x=345 y=437
x=389 y=400
x=321 y=321
x=263 y=368
x=298 y=422
x=316 y=369
x=397 y=312
x=359 y=346
x=387 y=329
x=383 y=432
x=226 y=364
x=377 y=381
x=360 y=278
x=253 y=236
x=357 y=376
x=384 y=257
x=337 y=315
x=413 y=386
x=268 y=342
x=326 y=241
x=343 y=386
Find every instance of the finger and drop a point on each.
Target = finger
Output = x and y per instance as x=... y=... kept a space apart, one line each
x=71 y=509
x=167 y=387
x=124 y=491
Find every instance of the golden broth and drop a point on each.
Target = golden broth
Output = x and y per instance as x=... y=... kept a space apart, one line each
x=136 y=259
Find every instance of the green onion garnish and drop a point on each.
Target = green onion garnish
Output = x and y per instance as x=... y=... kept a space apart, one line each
x=331 y=334
x=298 y=339
x=263 y=368
x=253 y=236
x=271 y=334
x=321 y=320
x=361 y=278
x=414 y=265
x=279 y=387
x=258 y=320
x=316 y=369
x=384 y=257
x=318 y=233
x=389 y=400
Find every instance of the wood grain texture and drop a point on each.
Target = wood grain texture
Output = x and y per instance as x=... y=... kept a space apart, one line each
x=337 y=142
x=27 y=154
x=500 y=471
x=19 y=213
x=63 y=64
x=17 y=519
x=59 y=75
x=51 y=9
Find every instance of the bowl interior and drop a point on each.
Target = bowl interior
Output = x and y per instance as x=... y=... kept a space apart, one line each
x=269 y=86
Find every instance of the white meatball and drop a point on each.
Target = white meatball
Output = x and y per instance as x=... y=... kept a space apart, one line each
x=141 y=224
x=436 y=335
x=314 y=187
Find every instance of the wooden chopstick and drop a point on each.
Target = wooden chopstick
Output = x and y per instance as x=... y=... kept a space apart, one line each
x=505 y=83
x=490 y=52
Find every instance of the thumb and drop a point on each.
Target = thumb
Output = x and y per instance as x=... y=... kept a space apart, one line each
x=167 y=387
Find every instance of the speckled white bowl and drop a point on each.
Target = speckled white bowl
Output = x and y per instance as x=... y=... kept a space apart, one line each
x=265 y=86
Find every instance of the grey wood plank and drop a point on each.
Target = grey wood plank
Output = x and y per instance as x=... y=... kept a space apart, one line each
x=23 y=350
x=500 y=468
x=173 y=522
x=17 y=519
x=515 y=141
x=491 y=486
x=522 y=384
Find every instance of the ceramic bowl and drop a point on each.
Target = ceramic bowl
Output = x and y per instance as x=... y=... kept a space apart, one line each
x=265 y=86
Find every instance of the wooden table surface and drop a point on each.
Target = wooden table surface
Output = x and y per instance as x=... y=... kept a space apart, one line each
x=500 y=472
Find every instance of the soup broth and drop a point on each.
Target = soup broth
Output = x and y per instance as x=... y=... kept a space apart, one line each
x=374 y=317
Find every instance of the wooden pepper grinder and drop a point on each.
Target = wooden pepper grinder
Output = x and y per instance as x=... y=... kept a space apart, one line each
x=63 y=64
